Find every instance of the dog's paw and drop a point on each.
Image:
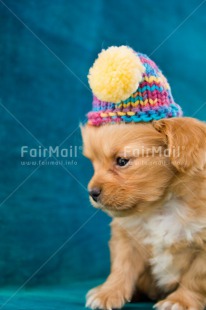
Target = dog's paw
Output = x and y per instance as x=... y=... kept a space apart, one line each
x=167 y=304
x=107 y=299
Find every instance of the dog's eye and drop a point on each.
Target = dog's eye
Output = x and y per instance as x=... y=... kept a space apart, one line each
x=121 y=161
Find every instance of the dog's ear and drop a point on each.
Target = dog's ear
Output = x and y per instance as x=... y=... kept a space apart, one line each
x=186 y=142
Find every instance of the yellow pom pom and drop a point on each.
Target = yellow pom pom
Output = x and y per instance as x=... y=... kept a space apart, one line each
x=116 y=74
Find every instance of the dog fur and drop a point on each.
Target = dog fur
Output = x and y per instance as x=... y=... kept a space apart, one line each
x=158 y=208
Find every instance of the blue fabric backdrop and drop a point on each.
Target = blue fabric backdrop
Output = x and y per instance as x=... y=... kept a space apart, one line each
x=49 y=234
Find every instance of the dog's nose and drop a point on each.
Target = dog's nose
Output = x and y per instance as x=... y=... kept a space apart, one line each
x=94 y=193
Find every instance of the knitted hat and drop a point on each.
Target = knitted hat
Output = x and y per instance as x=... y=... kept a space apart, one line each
x=128 y=87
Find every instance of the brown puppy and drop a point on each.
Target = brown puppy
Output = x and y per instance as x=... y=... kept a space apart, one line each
x=151 y=178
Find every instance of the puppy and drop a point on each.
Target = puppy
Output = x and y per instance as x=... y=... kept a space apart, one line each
x=151 y=179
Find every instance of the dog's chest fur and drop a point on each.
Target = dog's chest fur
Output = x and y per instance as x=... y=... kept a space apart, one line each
x=160 y=231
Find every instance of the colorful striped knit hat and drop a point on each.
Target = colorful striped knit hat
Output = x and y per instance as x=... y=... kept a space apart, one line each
x=128 y=87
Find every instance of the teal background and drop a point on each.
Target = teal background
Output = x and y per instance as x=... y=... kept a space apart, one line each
x=53 y=246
